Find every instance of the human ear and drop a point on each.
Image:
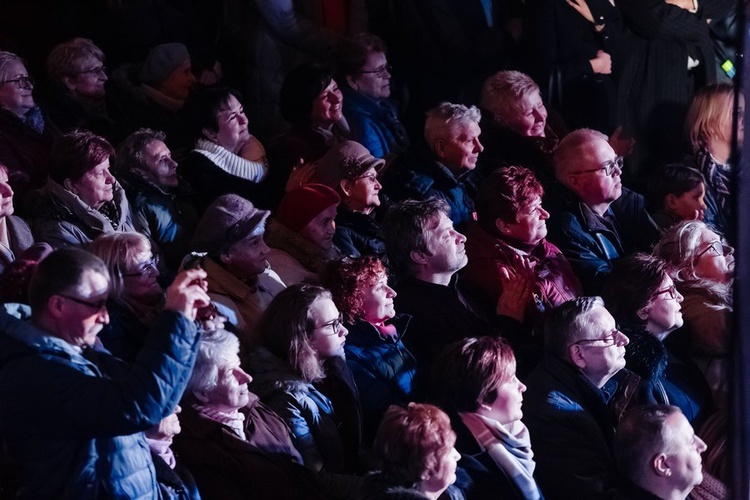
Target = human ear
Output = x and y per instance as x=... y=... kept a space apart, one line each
x=661 y=465
x=345 y=186
x=576 y=356
x=70 y=186
x=418 y=257
x=69 y=84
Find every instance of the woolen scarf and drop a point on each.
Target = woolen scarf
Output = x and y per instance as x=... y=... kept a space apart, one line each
x=254 y=171
x=509 y=447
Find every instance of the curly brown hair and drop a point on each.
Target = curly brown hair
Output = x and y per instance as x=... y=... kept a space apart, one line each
x=347 y=278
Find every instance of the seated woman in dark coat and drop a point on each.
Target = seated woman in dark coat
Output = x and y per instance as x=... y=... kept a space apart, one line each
x=77 y=95
x=81 y=200
x=311 y=102
x=135 y=294
x=26 y=136
x=382 y=366
x=475 y=381
x=644 y=300
x=303 y=346
x=235 y=446
x=227 y=158
x=415 y=446
x=15 y=234
x=162 y=202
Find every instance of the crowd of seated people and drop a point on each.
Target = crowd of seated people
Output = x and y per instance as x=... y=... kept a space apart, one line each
x=359 y=306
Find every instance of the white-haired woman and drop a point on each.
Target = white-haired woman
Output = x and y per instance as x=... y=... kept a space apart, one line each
x=231 y=442
x=702 y=267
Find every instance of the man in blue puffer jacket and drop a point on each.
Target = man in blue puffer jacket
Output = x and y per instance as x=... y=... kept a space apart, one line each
x=71 y=414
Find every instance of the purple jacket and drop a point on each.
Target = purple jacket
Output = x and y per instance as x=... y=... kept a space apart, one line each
x=488 y=255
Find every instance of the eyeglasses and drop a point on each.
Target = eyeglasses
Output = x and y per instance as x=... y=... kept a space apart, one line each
x=96 y=307
x=381 y=71
x=719 y=249
x=614 y=338
x=607 y=166
x=151 y=266
x=371 y=178
x=671 y=290
x=99 y=70
x=334 y=324
x=22 y=82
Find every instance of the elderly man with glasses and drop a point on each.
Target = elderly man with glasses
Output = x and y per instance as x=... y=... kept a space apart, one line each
x=594 y=220
x=73 y=415
x=574 y=399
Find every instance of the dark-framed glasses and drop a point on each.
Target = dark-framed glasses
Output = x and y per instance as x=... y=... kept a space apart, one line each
x=144 y=268
x=381 y=71
x=670 y=290
x=608 y=167
x=22 y=82
x=335 y=325
x=96 y=307
x=614 y=338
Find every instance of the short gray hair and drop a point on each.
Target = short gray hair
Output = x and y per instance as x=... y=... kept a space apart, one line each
x=214 y=352
x=443 y=119
x=502 y=91
x=573 y=149
x=5 y=59
x=569 y=323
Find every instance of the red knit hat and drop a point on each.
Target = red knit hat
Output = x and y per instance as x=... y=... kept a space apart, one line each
x=301 y=205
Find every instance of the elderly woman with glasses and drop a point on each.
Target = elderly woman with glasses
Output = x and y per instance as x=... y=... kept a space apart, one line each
x=26 y=137
x=77 y=95
x=702 y=267
x=643 y=299
x=297 y=368
x=366 y=87
x=136 y=297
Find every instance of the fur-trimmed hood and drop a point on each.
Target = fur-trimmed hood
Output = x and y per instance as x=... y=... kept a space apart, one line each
x=645 y=354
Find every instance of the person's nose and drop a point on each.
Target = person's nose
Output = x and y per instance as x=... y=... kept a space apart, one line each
x=242 y=376
x=521 y=386
x=679 y=297
x=242 y=119
x=478 y=146
x=543 y=214
x=343 y=332
x=460 y=238
x=389 y=292
x=700 y=445
x=109 y=179
x=103 y=316
x=622 y=339
x=377 y=185
x=5 y=190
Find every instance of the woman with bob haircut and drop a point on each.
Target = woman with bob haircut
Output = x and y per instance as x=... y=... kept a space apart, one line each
x=508 y=244
x=480 y=390
x=383 y=368
x=415 y=445
x=643 y=299
x=702 y=267
x=135 y=295
x=311 y=103
x=82 y=199
x=227 y=159
x=77 y=97
x=303 y=343
x=709 y=124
